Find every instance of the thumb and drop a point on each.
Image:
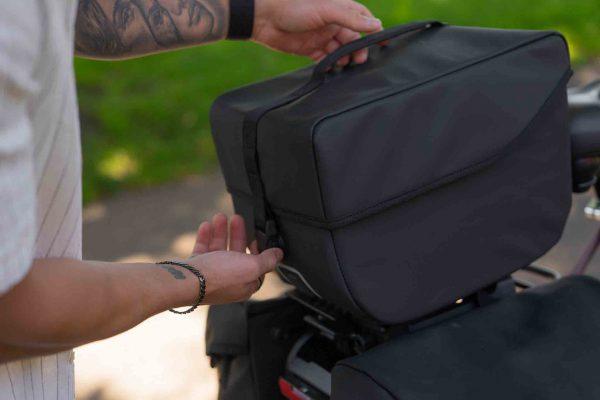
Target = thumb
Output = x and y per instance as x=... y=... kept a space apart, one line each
x=269 y=259
x=338 y=14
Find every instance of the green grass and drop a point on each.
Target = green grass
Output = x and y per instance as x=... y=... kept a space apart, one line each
x=145 y=121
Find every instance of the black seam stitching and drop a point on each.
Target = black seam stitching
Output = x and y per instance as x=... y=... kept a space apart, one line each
x=365 y=212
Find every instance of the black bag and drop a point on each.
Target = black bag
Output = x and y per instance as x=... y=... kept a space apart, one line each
x=433 y=170
x=541 y=344
x=248 y=344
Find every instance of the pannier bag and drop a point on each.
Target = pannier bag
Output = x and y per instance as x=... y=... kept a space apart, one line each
x=540 y=344
x=400 y=185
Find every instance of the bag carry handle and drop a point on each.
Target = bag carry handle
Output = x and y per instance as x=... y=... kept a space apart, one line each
x=325 y=64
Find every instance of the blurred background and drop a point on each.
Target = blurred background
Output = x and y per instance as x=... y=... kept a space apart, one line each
x=151 y=173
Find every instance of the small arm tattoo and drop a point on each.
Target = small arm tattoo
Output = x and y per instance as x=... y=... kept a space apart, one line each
x=126 y=28
x=177 y=274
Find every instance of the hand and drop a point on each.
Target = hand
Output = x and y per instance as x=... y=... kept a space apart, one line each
x=313 y=28
x=233 y=275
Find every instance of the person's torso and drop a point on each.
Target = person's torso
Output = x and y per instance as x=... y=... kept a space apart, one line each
x=57 y=162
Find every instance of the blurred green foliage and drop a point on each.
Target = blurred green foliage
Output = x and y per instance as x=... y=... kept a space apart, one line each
x=145 y=121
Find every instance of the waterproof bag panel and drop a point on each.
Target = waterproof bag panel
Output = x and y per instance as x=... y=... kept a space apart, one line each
x=398 y=186
x=541 y=344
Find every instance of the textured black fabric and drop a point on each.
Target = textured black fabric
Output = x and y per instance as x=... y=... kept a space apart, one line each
x=435 y=169
x=264 y=220
x=241 y=19
x=248 y=344
x=542 y=344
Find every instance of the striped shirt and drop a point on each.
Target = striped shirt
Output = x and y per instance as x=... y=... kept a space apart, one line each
x=40 y=167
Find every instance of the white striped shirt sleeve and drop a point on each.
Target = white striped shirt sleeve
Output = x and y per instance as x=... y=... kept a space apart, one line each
x=19 y=45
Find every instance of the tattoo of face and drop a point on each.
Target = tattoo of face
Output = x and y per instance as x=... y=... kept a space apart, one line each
x=177 y=274
x=196 y=12
x=139 y=26
x=161 y=24
x=124 y=14
x=95 y=33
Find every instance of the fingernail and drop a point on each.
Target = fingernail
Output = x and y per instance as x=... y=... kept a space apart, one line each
x=279 y=254
x=374 y=22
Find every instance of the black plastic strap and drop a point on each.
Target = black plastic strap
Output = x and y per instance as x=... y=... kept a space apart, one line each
x=241 y=19
x=264 y=220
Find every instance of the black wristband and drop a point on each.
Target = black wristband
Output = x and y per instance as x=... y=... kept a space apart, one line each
x=241 y=19
x=201 y=280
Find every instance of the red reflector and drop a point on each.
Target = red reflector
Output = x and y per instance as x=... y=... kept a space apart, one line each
x=290 y=392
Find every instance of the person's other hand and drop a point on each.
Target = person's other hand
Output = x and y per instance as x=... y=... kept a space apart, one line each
x=313 y=28
x=231 y=275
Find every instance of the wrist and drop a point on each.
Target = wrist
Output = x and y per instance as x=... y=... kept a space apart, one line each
x=174 y=287
x=262 y=15
x=177 y=268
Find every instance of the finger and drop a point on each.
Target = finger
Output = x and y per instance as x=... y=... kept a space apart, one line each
x=366 y=12
x=219 y=235
x=318 y=55
x=269 y=259
x=361 y=8
x=336 y=13
x=255 y=286
x=237 y=234
x=347 y=36
x=202 y=239
x=253 y=247
x=342 y=62
x=332 y=46
x=316 y=48
x=251 y=288
x=261 y=281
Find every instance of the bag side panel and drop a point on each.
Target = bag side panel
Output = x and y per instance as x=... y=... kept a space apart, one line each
x=424 y=254
x=386 y=150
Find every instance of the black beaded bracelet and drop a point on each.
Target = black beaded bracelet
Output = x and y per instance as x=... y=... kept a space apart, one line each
x=201 y=280
x=241 y=19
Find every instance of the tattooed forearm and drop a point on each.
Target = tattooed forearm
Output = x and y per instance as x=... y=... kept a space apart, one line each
x=127 y=28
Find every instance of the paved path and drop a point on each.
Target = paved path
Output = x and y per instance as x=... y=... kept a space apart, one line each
x=163 y=358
